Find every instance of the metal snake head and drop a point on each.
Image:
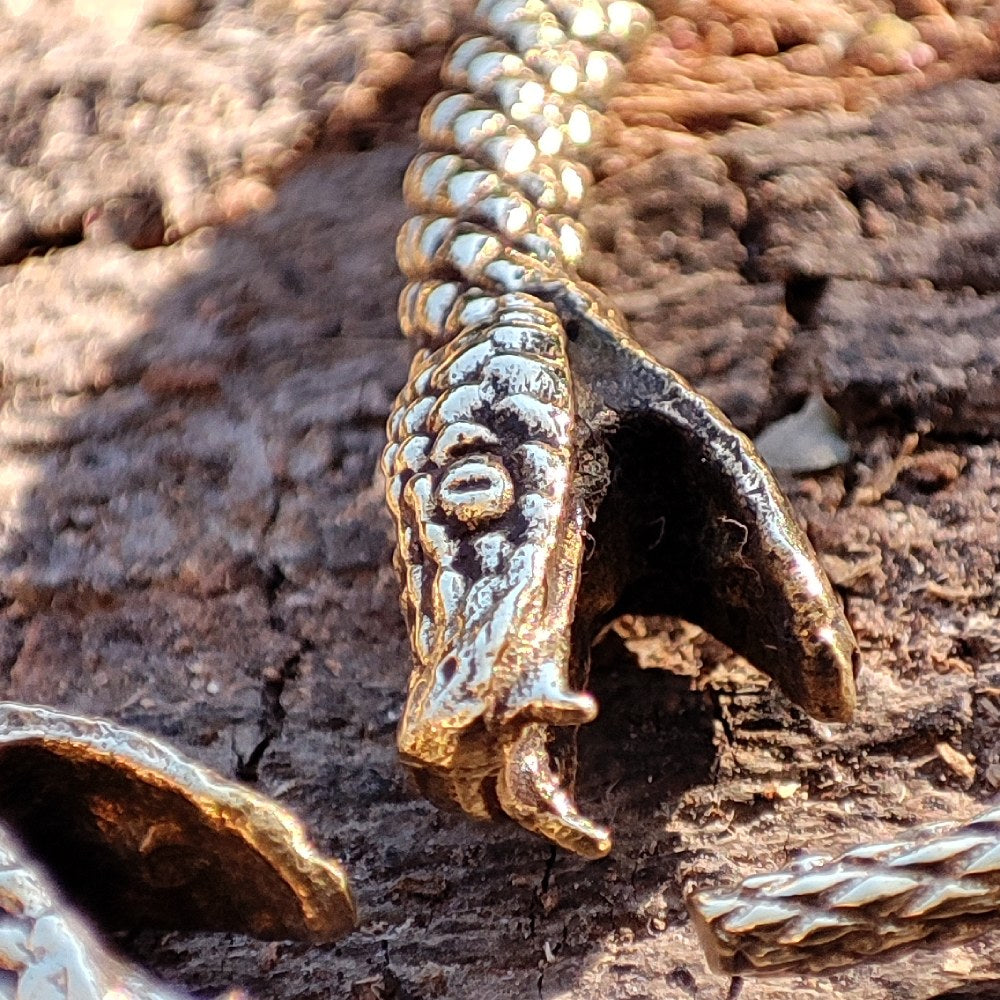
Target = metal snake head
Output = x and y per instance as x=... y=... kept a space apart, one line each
x=482 y=479
x=546 y=475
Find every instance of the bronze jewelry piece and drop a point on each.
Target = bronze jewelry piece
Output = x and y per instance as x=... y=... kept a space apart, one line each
x=820 y=913
x=140 y=836
x=545 y=474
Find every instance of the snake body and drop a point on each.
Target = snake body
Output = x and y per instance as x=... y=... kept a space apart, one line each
x=545 y=474
x=820 y=913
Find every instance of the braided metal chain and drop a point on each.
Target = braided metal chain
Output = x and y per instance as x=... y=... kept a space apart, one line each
x=820 y=913
x=501 y=180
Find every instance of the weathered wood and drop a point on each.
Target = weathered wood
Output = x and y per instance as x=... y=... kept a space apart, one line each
x=193 y=539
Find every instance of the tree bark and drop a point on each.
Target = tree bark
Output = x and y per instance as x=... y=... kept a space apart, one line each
x=198 y=356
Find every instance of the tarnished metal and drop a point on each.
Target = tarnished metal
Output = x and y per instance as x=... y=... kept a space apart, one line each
x=545 y=474
x=139 y=836
x=819 y=913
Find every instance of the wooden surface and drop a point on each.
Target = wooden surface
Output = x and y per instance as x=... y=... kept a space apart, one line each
x=192 y=534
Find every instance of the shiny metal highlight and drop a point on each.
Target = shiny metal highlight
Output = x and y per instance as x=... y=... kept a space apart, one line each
x=147 y=838
x=820 y=913
x=47 y=951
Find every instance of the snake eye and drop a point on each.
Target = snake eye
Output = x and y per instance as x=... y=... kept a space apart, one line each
x=475 y=489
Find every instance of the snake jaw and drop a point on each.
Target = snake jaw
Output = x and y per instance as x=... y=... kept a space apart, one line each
x=532 y=792
x=727 y=552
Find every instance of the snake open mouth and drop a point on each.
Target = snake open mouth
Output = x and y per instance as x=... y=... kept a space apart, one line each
x=616 y=489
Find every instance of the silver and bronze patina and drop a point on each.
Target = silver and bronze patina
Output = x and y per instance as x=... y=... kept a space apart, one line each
x=546 y=474
x=47 y=951
x=136 y=835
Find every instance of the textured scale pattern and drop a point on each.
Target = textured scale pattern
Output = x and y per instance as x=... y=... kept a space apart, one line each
x=820 y=913
x=501 y=388
x=47 y=952
x=501 y=181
